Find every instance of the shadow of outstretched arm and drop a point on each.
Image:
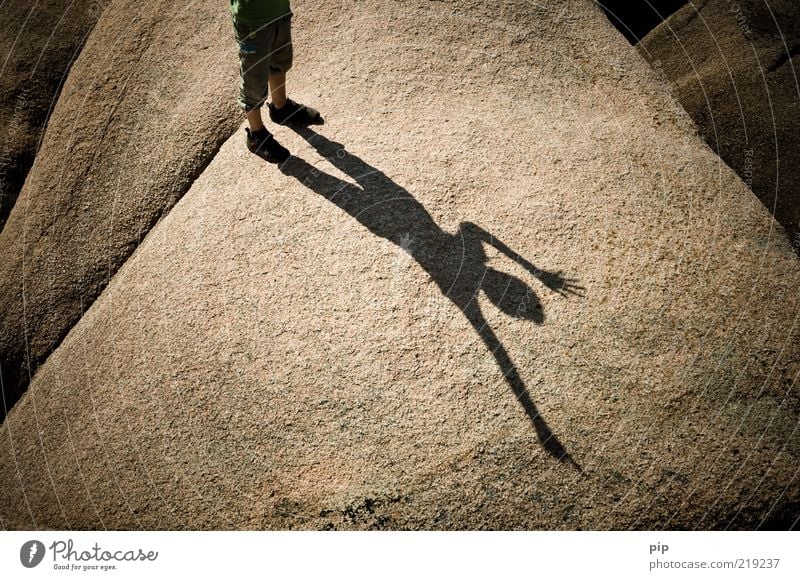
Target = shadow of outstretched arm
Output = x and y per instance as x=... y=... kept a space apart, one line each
x=389 y=211
x=555 y=281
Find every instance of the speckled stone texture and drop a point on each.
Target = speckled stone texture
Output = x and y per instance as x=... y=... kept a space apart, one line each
x=144 y=109
x=734 y=66
x=372 y=335
x=37 y=46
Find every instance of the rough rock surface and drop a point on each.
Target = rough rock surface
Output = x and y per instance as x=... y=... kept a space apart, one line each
x=371 y=336
x=38 y=44
x=144 y=108
x=734 y=66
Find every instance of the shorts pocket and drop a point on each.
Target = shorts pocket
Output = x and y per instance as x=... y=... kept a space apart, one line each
x=246 y=47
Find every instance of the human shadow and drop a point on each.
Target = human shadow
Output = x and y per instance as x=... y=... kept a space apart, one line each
x=456 y=262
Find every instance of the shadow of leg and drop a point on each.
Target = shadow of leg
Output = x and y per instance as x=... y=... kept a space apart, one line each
x=374 y=203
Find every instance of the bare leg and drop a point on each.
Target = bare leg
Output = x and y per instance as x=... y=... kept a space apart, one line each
x=277 y=88
x=254 y=118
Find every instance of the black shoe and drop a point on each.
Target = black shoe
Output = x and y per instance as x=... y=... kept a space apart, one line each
x=295 y=114
x=263 y=144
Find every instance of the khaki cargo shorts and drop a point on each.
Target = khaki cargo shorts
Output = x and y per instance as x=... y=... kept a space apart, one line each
x=262 y=49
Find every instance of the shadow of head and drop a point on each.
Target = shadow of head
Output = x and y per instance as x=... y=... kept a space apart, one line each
x=456 y=262
x=512 y=296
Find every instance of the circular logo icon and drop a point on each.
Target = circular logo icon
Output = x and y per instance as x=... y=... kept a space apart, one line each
x=31 y=553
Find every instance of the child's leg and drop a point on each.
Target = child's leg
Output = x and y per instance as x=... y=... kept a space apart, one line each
x=277 y=88
x=254 y=119
x=253 y=71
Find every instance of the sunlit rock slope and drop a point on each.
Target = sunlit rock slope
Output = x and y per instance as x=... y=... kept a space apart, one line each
x=507 y=285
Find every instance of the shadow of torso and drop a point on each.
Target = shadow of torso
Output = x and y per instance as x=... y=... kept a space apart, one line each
x=456 y=262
